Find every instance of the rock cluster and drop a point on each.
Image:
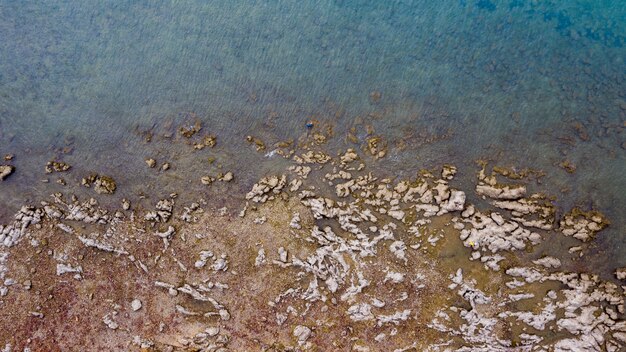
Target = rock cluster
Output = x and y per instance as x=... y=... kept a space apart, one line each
x=57 y=166
x=102 y=184
x=163 y=211
x=267 y=188
x=582 y=225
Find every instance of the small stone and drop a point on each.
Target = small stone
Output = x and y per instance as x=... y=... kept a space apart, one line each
x=227 y=177
x=260 y=145
x=165 y=167
x=125 y=204
x=135 y=305
x=207 y=180
x=212 y=331
x=110 y=323
x=568 y=166
x=302 y=333
x=105 y=185
x=56 y=166
x=210 y=141
x=375 y=96
x=319 y=138
x=5 y=171
x=224 y=314
x=151 y=162
x=189 y=130
x=621 y=273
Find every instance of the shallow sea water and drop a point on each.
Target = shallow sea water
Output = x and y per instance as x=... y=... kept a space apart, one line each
x=521 y=83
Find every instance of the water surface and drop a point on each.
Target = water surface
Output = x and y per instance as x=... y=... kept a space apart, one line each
x=523 y=83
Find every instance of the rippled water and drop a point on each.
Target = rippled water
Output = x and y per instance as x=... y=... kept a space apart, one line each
x=524 y=83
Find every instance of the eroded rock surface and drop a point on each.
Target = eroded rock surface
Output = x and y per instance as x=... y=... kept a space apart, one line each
x=362 y=262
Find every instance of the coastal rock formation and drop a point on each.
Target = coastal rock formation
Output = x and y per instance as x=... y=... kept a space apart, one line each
x=358 y=261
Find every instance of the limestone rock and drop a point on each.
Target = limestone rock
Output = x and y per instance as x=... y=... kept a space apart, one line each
x=302 y=333
x=582 y=225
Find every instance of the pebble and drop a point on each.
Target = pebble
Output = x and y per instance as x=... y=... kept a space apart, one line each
x=6 y=171
x=136 y=305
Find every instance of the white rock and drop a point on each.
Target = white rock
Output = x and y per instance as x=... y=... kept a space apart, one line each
x=135 y=305
x=260 y=258
x=212 y=331
x=302 y=333
x=456 y=202
x=502 y=192
x=548 y=262
x=394 y=277
x=110 y=323
x=360 y=312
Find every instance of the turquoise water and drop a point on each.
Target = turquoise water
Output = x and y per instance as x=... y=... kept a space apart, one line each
x=525 y=83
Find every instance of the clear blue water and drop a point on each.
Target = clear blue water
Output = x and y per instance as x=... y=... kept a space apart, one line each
x=505 y=80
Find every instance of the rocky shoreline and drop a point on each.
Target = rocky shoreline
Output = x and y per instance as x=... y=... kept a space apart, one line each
x=327 y=255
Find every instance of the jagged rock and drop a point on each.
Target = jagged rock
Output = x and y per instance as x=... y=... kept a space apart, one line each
x=56 y=166
x=102 y=184
x=266 y=188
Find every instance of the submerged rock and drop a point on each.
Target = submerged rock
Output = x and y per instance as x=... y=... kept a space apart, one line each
x=227 y=177
x=583 y=225
x=102 y=184
x=105 y=185
x=207 y=180
x=6 y=171
x=57 y=166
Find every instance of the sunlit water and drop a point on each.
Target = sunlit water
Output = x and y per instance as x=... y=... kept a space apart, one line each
x=524 y=83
